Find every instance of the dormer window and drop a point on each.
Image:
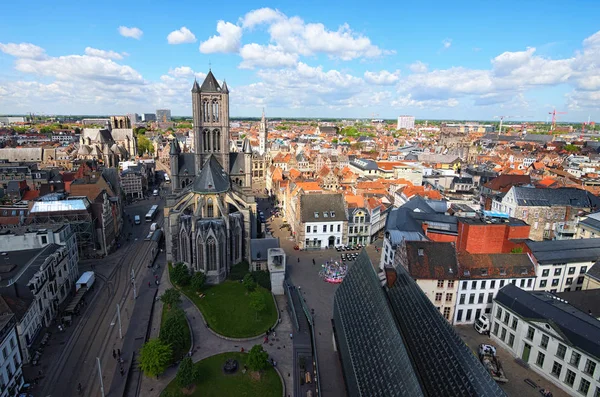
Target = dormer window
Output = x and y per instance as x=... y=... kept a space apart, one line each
x=332 y=213
x=502 y=271
x=420 y=252
x=467 y=273
x=316 y=214
x=484 y=272
x=325 y=215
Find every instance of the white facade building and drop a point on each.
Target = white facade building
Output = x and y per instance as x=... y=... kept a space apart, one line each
x=323 y=234
x=11 y=373
x=406 y=122
x=322 y=221
x=558 y=341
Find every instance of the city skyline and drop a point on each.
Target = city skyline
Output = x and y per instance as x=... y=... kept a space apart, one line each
x=466 y=62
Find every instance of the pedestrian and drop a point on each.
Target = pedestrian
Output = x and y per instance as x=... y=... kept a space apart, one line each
x=291 y=336
x=298 y=260
x=119 y=352
x=313 y=261
x=121 y=371
x=156 y=282
x=114 y=354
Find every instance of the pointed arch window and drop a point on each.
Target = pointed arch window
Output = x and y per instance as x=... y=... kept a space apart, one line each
x=210 y=212
x=217 y=140
x=211 y=253
x=205 y=111
x=205 y=146
x=215 y=111
x=200 y=262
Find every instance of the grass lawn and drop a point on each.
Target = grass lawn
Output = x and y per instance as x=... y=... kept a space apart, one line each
x=177 y=355
x=214 y=383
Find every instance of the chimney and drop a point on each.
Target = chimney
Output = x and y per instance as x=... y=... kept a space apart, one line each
x=425 y=227
x=390 y=276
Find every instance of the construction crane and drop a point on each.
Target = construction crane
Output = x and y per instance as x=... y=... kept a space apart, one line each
x=554 y=113
x=507 y=117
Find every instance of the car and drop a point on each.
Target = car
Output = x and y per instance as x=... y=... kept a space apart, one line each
x=155 y=192
x=137 y=220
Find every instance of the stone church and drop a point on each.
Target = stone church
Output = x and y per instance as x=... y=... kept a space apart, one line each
x=112 y=144
x=210 y=216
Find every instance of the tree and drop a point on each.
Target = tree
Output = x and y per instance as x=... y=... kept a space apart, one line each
x=170 y=297
x=140 y=131
x=257 y=302
x=198 y=280
x=180 y=274
x=257 y=358
x=571 y=148
x=144 y=145
x=172 y=331
x=187 y=374
x=249 y=282
x=155 y=357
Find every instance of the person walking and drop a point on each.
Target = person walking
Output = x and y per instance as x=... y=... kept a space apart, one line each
x=119 y=352
x=114 y=354
x=149 y=284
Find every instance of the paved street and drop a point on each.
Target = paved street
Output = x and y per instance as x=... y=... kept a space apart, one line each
x=95 y=331
x=515 y=373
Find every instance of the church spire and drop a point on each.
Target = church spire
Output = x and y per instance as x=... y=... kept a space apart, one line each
x=224 y=88
x=196 y=87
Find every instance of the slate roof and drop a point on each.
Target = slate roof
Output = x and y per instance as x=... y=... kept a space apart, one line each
x=260 y=247
x=321 y=203
x=212 y=178
x=237 y=163
x=565 y=251
x=418 y=203
x=578 y=328
x=374 y=355
x=526 y=196
x=187 y=161
x=446 y=365
x=588 y=301
x=431 y=260
x=210 y=84
x=495 y=266
x=592 y=221
x=594 y=271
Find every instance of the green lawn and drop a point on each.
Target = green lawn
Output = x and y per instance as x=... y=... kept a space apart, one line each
x=214 y=383
x=226 y=309
x=177 y=355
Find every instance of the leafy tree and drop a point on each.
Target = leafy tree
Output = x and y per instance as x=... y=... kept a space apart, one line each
x=46 y=130
x=172 y=331
x=170 y=297
x=257 y=302
x=187 y=374
x=144 y=145
x=140 y=131
x=77 y=130
x=334 y=140
x=517 y=250
x=257 y=358
x=180 y=274
x=198 y=280
x=571 y=148
x=155 y=357
x=249 y=282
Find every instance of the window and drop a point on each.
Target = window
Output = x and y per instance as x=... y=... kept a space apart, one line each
x=314 y=229
x=4 y=353
x=522 y=284
x=448 y=297
x=324 y=228
x=461 y=300
x=339 y=228
x=590 y=367
x=493 y=284
x=540 y=359
x=544 y=342
x=530 y=333
x=209 y=208
x=331 y=228
x=502 y=283
x=325 y=215
x=583 y=270
x=469 y=312
x=557 y=271
x=440 y=284
x=569 y=281
x=496 y=326
x=490 y=297
x=506 y=317
x=597 y=392
x=514 y=282
x=450 y=283
x=473 y=284
x=511 y=340
x=480 y=299
x=464 y=285
x=316 y=214
x=579 y=281
x=447 y=313
x=572 y=270
x=545 y=272
x=483 y=284
x=438 y=297
x=459 y=315
x=529 y=282
x=44 y=240
x=499 y=313
x=503 y=334
x=332 y=214
x=561 y=350
x=471 y=299
x=556 y=369
x=514 y=323
x=307 y=229
x=570 y=378
x=555 y=282
x=584 y=386
x=543 y=283
x=477 y=313
x=575 y=359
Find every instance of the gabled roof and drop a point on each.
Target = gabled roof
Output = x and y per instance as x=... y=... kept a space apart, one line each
x=212 y=178
x=566 y=196
x=210 y=84
x=495 y=266
x=565 y=251
x=506 y=181
x=580 y=329
x=320 y=204
x=432 y=260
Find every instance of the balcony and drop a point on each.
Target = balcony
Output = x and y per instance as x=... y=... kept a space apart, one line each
x=565 y=230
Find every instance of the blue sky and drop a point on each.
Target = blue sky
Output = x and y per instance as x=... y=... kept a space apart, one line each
x=434 y=60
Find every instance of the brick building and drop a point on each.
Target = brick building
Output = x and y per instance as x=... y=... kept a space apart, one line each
x=490 y=235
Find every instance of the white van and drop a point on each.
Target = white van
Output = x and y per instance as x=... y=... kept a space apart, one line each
x=482 y=324
x=137 y=220
x=155 y=192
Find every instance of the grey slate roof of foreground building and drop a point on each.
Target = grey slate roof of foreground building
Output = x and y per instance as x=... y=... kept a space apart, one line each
x=578 y=328
x=394 y=342
x=212 y=178
x=322 y=208
x=528 y=196
x=565 y=251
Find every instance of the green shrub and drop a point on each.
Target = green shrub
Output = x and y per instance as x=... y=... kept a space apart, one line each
x=238 y=271
x=262 y=278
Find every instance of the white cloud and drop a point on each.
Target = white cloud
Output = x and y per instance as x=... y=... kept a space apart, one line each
x=408 y=102
x=186 y=72
x=133 y=33
x=260 y=16
x=181 y=36
x=23 y=50
x=447 y=83
x=447 y=43
x=94 y=52
x=418 y=67
x=269 y=56
x=382 y=78
x=228 y=39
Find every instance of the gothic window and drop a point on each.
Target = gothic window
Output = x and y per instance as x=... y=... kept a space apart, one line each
x=200 y=263
x=183 y=243
x=210 y=212
x=217 y=140
x=205 y=146
x=214 y=141
x=215 y=111
x=211 y=253
x=236 y=243
x=205 y=111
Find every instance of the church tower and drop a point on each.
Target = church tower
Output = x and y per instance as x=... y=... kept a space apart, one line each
x=210 y=106
x=262 y=135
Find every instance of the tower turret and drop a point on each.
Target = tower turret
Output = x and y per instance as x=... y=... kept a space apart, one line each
x=174 y=151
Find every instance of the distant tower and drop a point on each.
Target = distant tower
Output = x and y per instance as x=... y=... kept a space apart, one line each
x=262 y=135
x=247 y=150
x=210 y=106
x=174 y=162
